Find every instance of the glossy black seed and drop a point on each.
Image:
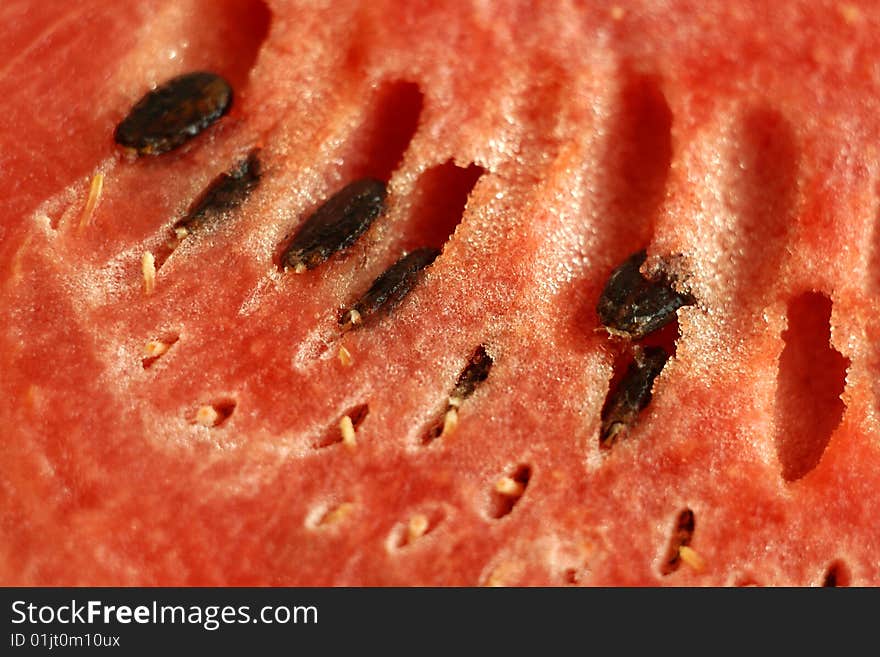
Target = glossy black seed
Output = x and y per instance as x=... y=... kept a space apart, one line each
x=474 y=373
x=336 y=225
x=174 y=112
x=682 y=535
x=390 y=288
x=632 y=394
x=226 y=192
x=634 y=306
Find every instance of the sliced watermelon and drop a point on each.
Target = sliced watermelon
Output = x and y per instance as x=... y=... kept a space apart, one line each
x=191 y=408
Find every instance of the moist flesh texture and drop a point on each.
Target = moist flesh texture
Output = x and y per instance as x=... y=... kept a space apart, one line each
x=735 y=142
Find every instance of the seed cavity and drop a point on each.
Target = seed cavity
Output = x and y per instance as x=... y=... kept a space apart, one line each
x=390 y=288
x=439 y=201
x=381 y=142
x=810 y=382
x=679 y=550
x=837 y=575
x=761 y=187
x=635 y=160
x=224 y=194
x=631 y=394
x=155 y=349
x=632 y=306
x=334 y=515
x=345 y=429
x=336 y=225
x=508 y=491
x=174 y=112
x=215 y=413
x=475 y=372
x=419 y=524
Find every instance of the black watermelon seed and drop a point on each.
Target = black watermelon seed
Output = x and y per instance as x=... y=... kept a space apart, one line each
x=632 y=394
x=226 y=192
x=474 y=373
x=336 y=225
x=682 y=536
x=174 y=112
x=390 y=288
x=634 y=306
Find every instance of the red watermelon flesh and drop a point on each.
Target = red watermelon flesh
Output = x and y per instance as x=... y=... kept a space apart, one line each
x=540 y=145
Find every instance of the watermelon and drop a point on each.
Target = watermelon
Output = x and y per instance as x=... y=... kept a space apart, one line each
x=456 y=294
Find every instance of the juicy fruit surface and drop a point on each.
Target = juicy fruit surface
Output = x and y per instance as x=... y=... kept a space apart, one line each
x=736 y=142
